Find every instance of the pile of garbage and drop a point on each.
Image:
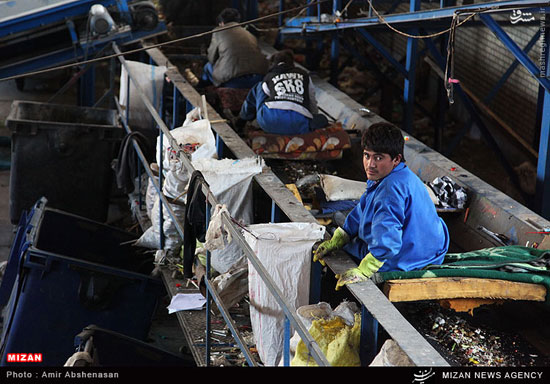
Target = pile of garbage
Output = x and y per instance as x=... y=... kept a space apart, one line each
x=465 y=344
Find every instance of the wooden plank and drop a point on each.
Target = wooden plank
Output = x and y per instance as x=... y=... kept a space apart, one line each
x=461 y=287
x=417 y=348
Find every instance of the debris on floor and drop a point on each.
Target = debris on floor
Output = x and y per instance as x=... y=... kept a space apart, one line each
x=466 y=344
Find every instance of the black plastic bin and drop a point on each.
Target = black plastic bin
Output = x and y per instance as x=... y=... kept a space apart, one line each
x=64 y=153
x=105 y=348
x=66 y=272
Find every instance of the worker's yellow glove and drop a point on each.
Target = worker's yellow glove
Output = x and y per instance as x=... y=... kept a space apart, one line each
x=368 y=267
x=338 y=240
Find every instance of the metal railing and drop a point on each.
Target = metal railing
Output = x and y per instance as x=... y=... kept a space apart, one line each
x=290 y=316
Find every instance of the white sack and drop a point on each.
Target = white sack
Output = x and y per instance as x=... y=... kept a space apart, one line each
x=284 y=249
x=337 y=188
x=198 y=131
x=230 y=182
x=172 y=238
x=151 y=80
x=391 y=355
x=175 y=182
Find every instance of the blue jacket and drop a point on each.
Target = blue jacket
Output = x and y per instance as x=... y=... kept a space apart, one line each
x=396 y=221
x=274 y=120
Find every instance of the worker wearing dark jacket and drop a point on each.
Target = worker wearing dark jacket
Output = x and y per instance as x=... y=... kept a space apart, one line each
x=395 y=226
x=284 y=102
x=234 y=57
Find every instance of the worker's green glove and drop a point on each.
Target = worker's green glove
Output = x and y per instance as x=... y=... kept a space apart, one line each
x=338 y=240
x=368 y=267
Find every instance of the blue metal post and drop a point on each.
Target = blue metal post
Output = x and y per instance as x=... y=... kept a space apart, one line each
x=543 y=166
x=275 y=212
x=208 y=295
x=86 y=93
x=219 y=146
x=124 y=11
x=369 y=337
x=334 y=47
x=410 y=67
x=251 y=9
x=286 y=345
x=175 y=108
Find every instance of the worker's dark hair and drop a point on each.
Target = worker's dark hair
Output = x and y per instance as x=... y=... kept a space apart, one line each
x=228 y=15
x=384 y=138
x=285 y=56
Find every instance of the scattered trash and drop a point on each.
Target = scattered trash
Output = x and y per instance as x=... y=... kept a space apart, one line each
x=450 y=194
x=498 y=237
x=468 y=343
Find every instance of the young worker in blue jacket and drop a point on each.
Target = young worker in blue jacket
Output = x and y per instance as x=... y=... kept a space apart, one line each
x=284 y=102
x=395 y=226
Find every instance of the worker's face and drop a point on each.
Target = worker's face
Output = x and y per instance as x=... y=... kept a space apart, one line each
x=378 y=165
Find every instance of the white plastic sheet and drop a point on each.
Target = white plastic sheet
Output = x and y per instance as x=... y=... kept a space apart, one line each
x=284 y=249
x=230 y=182
x=151 y=80
x=337 y=188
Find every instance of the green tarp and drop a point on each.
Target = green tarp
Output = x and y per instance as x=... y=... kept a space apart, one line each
x=513 y=263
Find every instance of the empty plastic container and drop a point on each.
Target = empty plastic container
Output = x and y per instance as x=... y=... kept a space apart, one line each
x=64 y=153
x=66 y=272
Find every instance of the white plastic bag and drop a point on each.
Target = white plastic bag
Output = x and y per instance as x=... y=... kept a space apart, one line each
x=284 y=249
x=175 y=182
x=217 y=236
x=337 y=188
x=391 y=355
x=192 y=131
x=172 y=238
x=151 y=80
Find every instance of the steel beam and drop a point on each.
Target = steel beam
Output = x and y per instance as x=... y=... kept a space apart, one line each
x=310 y=24
x=410 y=79
x=520 y=55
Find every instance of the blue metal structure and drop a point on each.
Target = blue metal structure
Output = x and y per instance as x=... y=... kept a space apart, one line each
x=36 y=35
x=436 y=21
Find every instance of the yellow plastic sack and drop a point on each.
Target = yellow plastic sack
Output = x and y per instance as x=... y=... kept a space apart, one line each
x=338 y=341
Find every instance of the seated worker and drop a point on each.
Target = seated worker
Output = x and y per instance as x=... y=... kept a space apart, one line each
x=395 y=226
x=234 y=57
x=284 y=102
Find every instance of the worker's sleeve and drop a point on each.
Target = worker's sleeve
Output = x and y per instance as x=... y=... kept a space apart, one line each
x=252 y=103
x=387 y=225
x=351 y=224
x=212 y=51
x=265 y=88
x=313 y=108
